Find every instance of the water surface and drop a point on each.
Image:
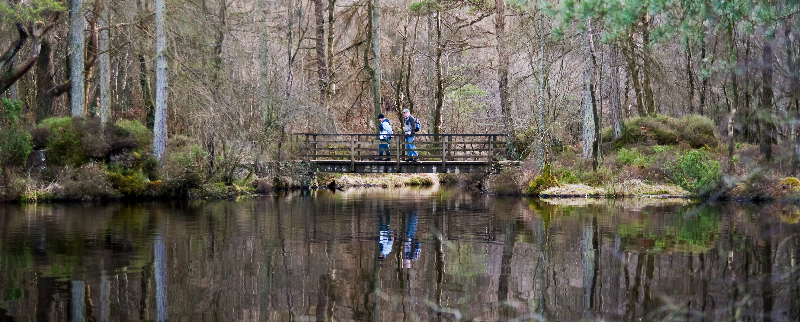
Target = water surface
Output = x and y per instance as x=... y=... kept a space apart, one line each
x=400 y=255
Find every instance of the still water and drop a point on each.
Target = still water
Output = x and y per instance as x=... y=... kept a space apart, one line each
x=400 y=255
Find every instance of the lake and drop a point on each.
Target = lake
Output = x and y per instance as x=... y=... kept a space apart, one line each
x=400 y=254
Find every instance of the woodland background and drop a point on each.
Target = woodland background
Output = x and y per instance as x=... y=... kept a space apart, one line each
x=242 y=76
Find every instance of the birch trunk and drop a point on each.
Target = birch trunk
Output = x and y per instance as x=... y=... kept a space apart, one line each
x=766 y=100
x=105 y=68
x=77 y=25
x=160 y=122
x=376 y=70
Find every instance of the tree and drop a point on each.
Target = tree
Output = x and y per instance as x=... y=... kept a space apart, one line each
x=32 y=20
x=76 y=63
x=160 y=123
x=376 y=53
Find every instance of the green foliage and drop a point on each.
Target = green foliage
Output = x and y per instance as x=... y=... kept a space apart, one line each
x=129 y=182
x=543 y=181
x=697 y=131
x=463 y=101
x=27 y=11
x=15 y=143
x=424 y=7
x=63 y=144
x=134 y=128
x=696 y=172
x=632 y=157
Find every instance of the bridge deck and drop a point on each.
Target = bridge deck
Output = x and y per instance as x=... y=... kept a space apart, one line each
x=401 y=167
x=440 y=153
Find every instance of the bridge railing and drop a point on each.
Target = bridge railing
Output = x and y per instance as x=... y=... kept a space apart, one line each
x=429 y=147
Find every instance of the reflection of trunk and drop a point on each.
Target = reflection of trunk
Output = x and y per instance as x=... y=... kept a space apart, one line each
x=45 y=286
x=648 y=304
x=322 y=298
x=590 y=258
x=160 y=271
x=503 y=290
x=147 y=273
x=78 y=298
x=633 y=298
x=765 y=259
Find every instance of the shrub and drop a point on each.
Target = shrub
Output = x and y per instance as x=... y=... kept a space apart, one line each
x=543 y=181
x=93 y=142
x=130 y=134
x=697 y=131
x=15 y=143
x=63 y=144
x=696 y=172
x=129 y=182
x=632 y=157
x=507 y=182
x=87 y=183
x=12 y=184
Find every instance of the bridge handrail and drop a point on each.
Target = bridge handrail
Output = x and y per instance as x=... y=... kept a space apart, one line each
x=431 y=147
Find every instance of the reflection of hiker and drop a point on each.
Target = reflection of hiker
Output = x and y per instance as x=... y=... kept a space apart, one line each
x=385 y=236
x=410 y=127
x=411 y=248
x=384 y=136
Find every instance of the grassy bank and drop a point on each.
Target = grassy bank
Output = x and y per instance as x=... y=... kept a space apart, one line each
x=659 y=157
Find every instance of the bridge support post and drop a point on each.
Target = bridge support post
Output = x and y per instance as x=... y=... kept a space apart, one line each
x=352 y=154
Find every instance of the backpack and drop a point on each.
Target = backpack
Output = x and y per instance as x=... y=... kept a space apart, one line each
x=416 y=125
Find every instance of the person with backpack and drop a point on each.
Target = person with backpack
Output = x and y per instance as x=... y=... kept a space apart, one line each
x=410 y=126
x=384 y=136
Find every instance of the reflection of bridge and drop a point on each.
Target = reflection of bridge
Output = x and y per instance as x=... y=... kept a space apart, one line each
x=438 y=153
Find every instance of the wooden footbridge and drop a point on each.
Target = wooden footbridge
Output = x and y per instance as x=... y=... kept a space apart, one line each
x=437 y=153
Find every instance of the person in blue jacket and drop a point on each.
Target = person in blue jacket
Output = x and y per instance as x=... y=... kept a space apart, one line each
x=384 y=137
x=411 y=247
x=410 y=127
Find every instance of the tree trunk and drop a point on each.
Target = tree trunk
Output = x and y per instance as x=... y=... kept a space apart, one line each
x=704 y=82
x=616 y=117
x=160 y=122
x=766 y=100
x=376 y=70
x=437 y=111
x=633 y=69
x=7 y=58
x=502 y=75
x=265 y=86
x=431 y=73
x=77 y=25
x=540 y=105
x=322 y=66
x=690 y=76
x=647 y=86
x=105 y=69
x=590 y=126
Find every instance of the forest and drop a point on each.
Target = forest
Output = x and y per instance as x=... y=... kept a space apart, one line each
x=222 y=83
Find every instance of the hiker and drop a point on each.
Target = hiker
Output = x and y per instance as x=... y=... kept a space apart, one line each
x=384 y=137
x=385 y=235
x=411 y=247
x=410 y=126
